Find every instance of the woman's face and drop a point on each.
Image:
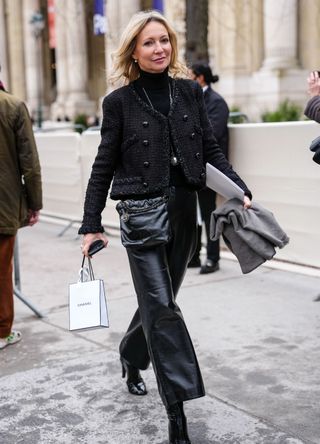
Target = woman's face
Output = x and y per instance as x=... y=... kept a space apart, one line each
x=153 y=49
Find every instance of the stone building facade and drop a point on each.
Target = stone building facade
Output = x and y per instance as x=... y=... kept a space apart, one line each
x=261 y=49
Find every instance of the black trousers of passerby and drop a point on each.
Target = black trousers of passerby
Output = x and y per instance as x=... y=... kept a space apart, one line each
x=207 y=203
x=157 y=331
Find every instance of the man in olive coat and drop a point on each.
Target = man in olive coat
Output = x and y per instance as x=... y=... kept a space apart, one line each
x=20 y=197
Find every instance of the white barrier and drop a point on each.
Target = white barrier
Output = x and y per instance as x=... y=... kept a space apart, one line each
x=88 y=149
x=61 y=174
x=273 y=159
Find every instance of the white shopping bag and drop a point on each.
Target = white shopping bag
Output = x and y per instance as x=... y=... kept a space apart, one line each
x=87 y=301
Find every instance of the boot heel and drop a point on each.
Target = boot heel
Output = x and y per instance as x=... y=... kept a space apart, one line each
x=123 y=371
x=135 y=383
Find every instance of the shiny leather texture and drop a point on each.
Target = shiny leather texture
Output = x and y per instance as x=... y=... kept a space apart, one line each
x=136 y=385
x=157 y=330
x=144 y=222
x=178 y=431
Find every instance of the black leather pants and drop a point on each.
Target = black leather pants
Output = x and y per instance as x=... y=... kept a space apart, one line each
x=157 y=330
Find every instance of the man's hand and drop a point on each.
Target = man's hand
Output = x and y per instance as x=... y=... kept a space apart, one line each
x=33 y=217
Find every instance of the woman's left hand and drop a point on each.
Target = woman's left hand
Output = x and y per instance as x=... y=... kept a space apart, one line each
x=247 y=202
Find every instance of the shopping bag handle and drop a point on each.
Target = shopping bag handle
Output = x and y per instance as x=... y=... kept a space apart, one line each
x=88 y=270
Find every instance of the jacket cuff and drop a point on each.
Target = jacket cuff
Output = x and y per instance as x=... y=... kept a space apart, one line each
x=91 y=224
x=313 y=108
x=85 y=229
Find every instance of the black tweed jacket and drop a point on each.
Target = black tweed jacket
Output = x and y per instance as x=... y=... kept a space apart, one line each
x=135 y=148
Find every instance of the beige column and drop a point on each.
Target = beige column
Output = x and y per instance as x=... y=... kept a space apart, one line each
x=4 y=74
x=280 y=34
x=235 y=38
x=76 y=46
x=235 y=42
x=175 y=12
x=15 y=48
x=32 y=62
x=118 y=15
x=58 y=108
x=280 y=76
x=309 y=34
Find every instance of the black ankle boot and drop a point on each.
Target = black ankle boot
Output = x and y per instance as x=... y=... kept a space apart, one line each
x=178 y=432
x=135 y=383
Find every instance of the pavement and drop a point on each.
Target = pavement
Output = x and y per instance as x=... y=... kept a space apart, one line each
x=256 y=337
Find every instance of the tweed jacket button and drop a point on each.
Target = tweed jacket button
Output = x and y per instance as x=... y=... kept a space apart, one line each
x=145 y=124
x=145 y=184
x=197 y=155
x=145 y=142
x=185 y=117
x=192 y=135
x=146 y=164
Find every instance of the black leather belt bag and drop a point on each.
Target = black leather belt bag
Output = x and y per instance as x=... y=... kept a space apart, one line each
x=144 y=222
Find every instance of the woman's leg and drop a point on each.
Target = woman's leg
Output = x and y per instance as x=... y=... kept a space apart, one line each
x=157 y=274
x=182 y=213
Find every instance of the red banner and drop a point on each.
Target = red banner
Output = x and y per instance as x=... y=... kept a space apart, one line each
x=51 y=24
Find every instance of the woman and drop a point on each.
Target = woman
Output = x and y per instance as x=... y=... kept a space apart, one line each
x=156 y=139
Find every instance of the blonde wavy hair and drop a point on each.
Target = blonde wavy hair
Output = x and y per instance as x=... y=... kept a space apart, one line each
x=124 y=67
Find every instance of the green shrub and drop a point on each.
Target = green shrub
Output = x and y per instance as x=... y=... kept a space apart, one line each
x=237 y=116
x=81 y=122
x=286 y=112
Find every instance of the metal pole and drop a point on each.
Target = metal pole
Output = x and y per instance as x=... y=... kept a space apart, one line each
x=27 y=303
x=17 y=281
x=39 y=94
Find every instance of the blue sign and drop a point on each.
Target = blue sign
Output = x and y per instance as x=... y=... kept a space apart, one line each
x=99 y=19
x=157 y=4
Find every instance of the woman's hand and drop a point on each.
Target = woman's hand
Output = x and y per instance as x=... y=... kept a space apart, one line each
x=314 y=84
x=91 y=237
x=247 y=202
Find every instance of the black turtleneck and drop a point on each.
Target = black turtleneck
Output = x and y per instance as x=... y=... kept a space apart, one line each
x=154 y=87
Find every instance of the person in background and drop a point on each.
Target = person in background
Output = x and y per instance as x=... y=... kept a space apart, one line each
x=218 y=113
x=313 y=106
x=20 y=197
x=155 y=141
